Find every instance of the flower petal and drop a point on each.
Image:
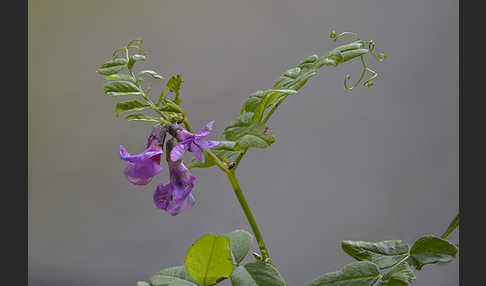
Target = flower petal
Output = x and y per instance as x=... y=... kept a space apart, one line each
x=130 y=174
x=175 y=209
x=198 y=152
x=206 y=144
x=181 y=180
x=162 y=195
x=178 y=150
x=206 y=130
x=184 y=135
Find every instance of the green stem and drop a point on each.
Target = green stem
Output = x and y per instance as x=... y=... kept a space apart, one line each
x=244 y=205
x=241 y=198
x=249 y=215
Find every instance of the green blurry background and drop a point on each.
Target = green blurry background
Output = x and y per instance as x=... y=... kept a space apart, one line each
x=381 y=163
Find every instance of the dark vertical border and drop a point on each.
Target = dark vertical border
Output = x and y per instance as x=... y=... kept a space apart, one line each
x=14 y=142
x=472 y=112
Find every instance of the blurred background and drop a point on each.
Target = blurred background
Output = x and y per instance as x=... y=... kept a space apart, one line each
x=373 y=164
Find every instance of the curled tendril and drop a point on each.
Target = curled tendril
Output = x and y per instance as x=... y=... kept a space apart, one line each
x=371 y=47
x=129 y=46
x=334 y=37
x=368 y=83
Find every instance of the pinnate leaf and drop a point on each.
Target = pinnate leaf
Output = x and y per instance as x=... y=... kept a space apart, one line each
x=122 y=88
x=112 y=66
x=149 y=72
x=173 y=276
x=120 y=76
x=241 y=241
x=254 y=140
x=174 y=83
x=399 y=275
x=129 y=106
x=257 y=274
x=385 y=254
x=361 y=273
x=431 y=250
x=141 y=117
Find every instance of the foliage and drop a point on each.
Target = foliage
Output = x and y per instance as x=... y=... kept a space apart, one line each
x=216 y=257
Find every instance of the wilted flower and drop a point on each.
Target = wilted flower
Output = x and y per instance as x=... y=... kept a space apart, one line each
x=175 y=196
x=192 y=142
x=145 y=165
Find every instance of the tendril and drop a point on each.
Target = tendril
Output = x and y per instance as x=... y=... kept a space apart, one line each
x=371 y=47
x=129 y=46
x=334 y=37
x=348 y=77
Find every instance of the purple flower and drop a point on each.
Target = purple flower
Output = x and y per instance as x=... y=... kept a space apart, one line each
x=145 y=165
x=193 y=142
x=175 y=196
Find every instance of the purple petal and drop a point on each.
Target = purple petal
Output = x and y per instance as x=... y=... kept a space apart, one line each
x=150 y=153
x=206 y=130
x=129 y=172
x=184 y=135
x=178 y=151
x=175 y=209
x=206 y=144
x=142 y=166
x=198 y=152
x=162 y=195
x=181 y=180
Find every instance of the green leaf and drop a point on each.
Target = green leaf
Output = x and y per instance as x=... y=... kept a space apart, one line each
x=138 y=57
x=149 y=72
x=122 y=76
x=253 y=101
x=361 y=273
x=129 y=106
x=287 y=78
x=302 y=80
x=241 y=241
x=173 y=276
x=349 y=55
x=257 y=274
x=224 y=150
x=309 y=62
x=254 y=140
x=171 y=108
x=430 y=250
x=452 y=226
x=399 y=275
x=112 y=66
x=122 y=88
x=142 y=283
x=209 y=260
x=134 y=59
x=141 y=117
x=385 y=254
x=248 y=133
x=349 y=47
x=257 y=102
x=174 y=83
x=239 y=126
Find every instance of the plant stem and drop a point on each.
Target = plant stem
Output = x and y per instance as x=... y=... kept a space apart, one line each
x=249 y=215
x=240 y=196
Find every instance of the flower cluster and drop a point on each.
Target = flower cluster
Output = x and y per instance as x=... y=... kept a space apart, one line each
x=174 y=196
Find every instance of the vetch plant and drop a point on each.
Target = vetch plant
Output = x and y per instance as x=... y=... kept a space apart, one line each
x=216 y=257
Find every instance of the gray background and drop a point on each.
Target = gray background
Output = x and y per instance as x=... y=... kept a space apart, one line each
x=379 y=164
